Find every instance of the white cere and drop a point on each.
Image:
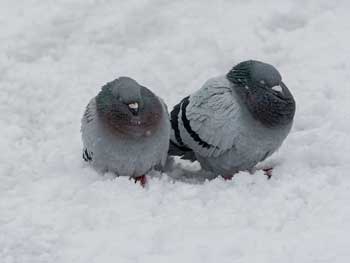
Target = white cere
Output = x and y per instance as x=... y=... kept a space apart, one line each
x=277 y=88
x=262 y=82
x=246 y=87
x=134 y=105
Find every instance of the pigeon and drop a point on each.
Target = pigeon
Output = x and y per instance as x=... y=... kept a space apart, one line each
x=234 y=121
x=125 y=130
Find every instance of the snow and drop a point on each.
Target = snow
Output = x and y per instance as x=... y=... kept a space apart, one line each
x=55 y=55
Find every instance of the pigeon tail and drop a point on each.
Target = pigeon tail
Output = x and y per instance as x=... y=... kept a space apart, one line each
x=182 y=151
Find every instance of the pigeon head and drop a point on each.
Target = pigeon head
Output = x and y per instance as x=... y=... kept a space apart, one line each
x=128 y=108
x=260 y=87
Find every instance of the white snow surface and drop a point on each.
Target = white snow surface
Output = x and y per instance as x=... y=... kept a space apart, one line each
x=55 y=55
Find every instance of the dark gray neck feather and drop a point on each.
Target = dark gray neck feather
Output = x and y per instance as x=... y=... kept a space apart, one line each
x=266 y=107
x=269 y=109
x=116 y=115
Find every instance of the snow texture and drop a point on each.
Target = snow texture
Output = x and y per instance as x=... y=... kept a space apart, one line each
x=55 y=56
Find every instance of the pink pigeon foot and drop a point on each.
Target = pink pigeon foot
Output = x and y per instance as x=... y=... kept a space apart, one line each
x=142 y=179
x=268 y=172
x=227 y=177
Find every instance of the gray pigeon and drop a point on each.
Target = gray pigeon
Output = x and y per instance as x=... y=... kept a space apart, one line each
x=234 y=121
x=125 y=129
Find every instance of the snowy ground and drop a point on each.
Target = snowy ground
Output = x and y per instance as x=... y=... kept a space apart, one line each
x=54 y=57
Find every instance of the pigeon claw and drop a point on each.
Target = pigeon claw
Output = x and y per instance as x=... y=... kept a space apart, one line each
x=142 y=179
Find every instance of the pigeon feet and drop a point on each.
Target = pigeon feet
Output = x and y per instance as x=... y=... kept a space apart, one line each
x=142 y=179
x=268 y=172
x=227 y=177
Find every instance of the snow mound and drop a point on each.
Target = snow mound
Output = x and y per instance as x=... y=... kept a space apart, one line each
x=56 y=56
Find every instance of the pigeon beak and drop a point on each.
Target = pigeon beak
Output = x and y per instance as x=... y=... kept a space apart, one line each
x=281 y=91
x=278 y=88
x=134 y=108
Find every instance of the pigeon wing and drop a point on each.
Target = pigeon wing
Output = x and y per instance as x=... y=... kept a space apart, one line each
x=210 y=118
x=88 y=125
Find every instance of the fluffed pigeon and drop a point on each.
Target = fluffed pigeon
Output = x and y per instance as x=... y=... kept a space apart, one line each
x=125 y=129
x=234 y=121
